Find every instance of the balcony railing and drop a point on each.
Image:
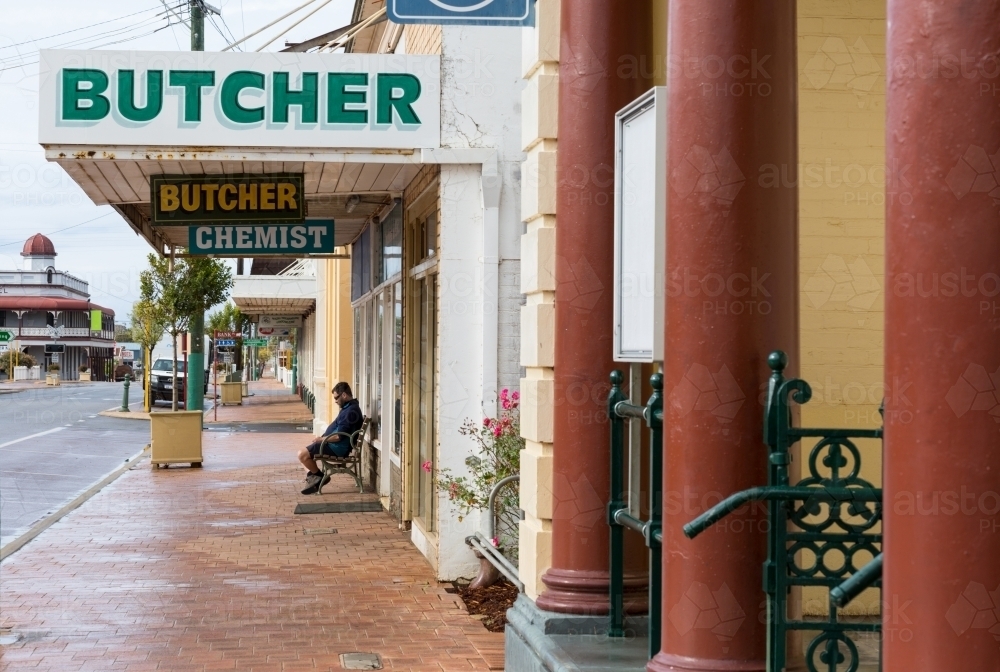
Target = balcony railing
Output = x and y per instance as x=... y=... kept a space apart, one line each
x=58 y=332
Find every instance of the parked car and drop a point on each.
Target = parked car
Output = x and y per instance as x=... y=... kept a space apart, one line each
x=161 y=381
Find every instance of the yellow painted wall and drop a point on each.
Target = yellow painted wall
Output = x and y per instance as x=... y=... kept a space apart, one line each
x=842 y=193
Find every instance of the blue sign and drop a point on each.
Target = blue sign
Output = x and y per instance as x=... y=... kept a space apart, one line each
x=463 y=12
x=225 y=343
x=314 y=236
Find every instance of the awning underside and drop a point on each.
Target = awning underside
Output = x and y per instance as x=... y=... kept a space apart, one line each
x=124 y=183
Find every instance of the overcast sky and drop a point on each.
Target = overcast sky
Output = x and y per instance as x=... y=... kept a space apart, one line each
x=93 y=242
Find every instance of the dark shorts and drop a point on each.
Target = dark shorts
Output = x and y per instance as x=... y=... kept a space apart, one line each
x=335 y=448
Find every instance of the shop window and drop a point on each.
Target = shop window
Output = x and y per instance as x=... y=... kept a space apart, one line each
x=427 y=235
x=392 y=242
x=377 y=370
x=397 y=367
x=426 y=458
x=361 y=271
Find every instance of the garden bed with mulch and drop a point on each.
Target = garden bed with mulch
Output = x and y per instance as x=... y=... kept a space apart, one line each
x=490 y=603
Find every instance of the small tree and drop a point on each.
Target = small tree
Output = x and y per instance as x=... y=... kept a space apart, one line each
x=148 y=325
x=181 y=288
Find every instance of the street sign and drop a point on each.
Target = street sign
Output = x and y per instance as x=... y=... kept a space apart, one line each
x=6 y=336
x=55 y=358
x=463 y=12
x=311 y=237
x=284 y=321
x=4 y=347
x=255 y=342
x=225 y=343
x=55 y=347
x=179 y=200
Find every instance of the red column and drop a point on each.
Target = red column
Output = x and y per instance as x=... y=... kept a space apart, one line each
x=604 y=57
x=941 y=593
x=732 y=297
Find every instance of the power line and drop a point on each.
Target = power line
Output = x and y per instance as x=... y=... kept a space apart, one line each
x=66 y=32
x=10 y=64
x=21 y=242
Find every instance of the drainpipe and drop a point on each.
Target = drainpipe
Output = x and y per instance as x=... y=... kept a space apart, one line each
x=492 y=185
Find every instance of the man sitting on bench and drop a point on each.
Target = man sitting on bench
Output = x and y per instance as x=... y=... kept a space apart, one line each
x=348 y=421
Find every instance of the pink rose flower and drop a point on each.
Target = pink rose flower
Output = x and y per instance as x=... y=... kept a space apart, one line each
x=426 y=466
x=486 y=422
x=495 y=541
x=497 y=430
x=515 y=396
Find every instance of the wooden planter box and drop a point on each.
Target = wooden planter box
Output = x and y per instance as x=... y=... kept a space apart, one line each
x=232 y=393
x=175 y=438
x=52 y=379
x=85 y=376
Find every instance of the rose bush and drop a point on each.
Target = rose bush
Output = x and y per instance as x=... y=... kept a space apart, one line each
x=499 y=446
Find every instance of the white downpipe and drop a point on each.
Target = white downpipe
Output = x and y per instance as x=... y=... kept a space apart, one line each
x=492 y=183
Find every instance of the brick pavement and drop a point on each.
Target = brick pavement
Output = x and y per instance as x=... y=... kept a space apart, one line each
x=208 y=569
x=272 y=402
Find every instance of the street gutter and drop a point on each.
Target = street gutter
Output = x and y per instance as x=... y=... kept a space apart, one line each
x=47 y=522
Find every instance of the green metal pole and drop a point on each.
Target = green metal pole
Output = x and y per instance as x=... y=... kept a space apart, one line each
x=195 y=375
x=124 y=408
x=616 y=563
x=654 y=418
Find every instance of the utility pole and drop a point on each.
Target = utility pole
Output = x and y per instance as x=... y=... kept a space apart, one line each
x=197 y=25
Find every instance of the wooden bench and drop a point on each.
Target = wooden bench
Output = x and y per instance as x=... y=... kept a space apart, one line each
x=351 y=465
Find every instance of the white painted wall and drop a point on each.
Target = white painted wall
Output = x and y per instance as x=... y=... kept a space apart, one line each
x=480 y=103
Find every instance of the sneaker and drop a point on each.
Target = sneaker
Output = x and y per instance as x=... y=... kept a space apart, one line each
x=315 y=483
x=312 y=478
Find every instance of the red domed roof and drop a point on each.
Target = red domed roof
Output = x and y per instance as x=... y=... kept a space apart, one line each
x=38 y=246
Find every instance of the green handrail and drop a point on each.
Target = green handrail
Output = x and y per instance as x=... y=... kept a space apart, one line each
x=619 y=516
x=866 y=577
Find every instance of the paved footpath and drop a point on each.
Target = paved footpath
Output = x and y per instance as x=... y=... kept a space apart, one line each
x=208 y=569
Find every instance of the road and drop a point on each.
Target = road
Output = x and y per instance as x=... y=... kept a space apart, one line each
x=53 y=446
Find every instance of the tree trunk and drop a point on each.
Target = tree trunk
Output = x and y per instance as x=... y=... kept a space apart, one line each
x=173 y=403
x=147 y=393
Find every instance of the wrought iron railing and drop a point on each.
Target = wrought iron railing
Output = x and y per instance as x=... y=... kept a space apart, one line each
x=620 y=515
x=820 y=529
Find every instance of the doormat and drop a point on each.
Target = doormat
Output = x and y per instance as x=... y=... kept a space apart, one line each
x=339 y=507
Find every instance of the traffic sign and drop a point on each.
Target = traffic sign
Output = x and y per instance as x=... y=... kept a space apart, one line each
x=463 y=12
x=6 y=336
x=255 y=342
x=225 y=342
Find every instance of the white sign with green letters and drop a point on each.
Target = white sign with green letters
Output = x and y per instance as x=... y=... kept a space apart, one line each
x=211 y=99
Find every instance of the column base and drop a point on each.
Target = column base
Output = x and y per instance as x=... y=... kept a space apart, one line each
x=543 y=641
x=579 y=592
x=664 y=662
